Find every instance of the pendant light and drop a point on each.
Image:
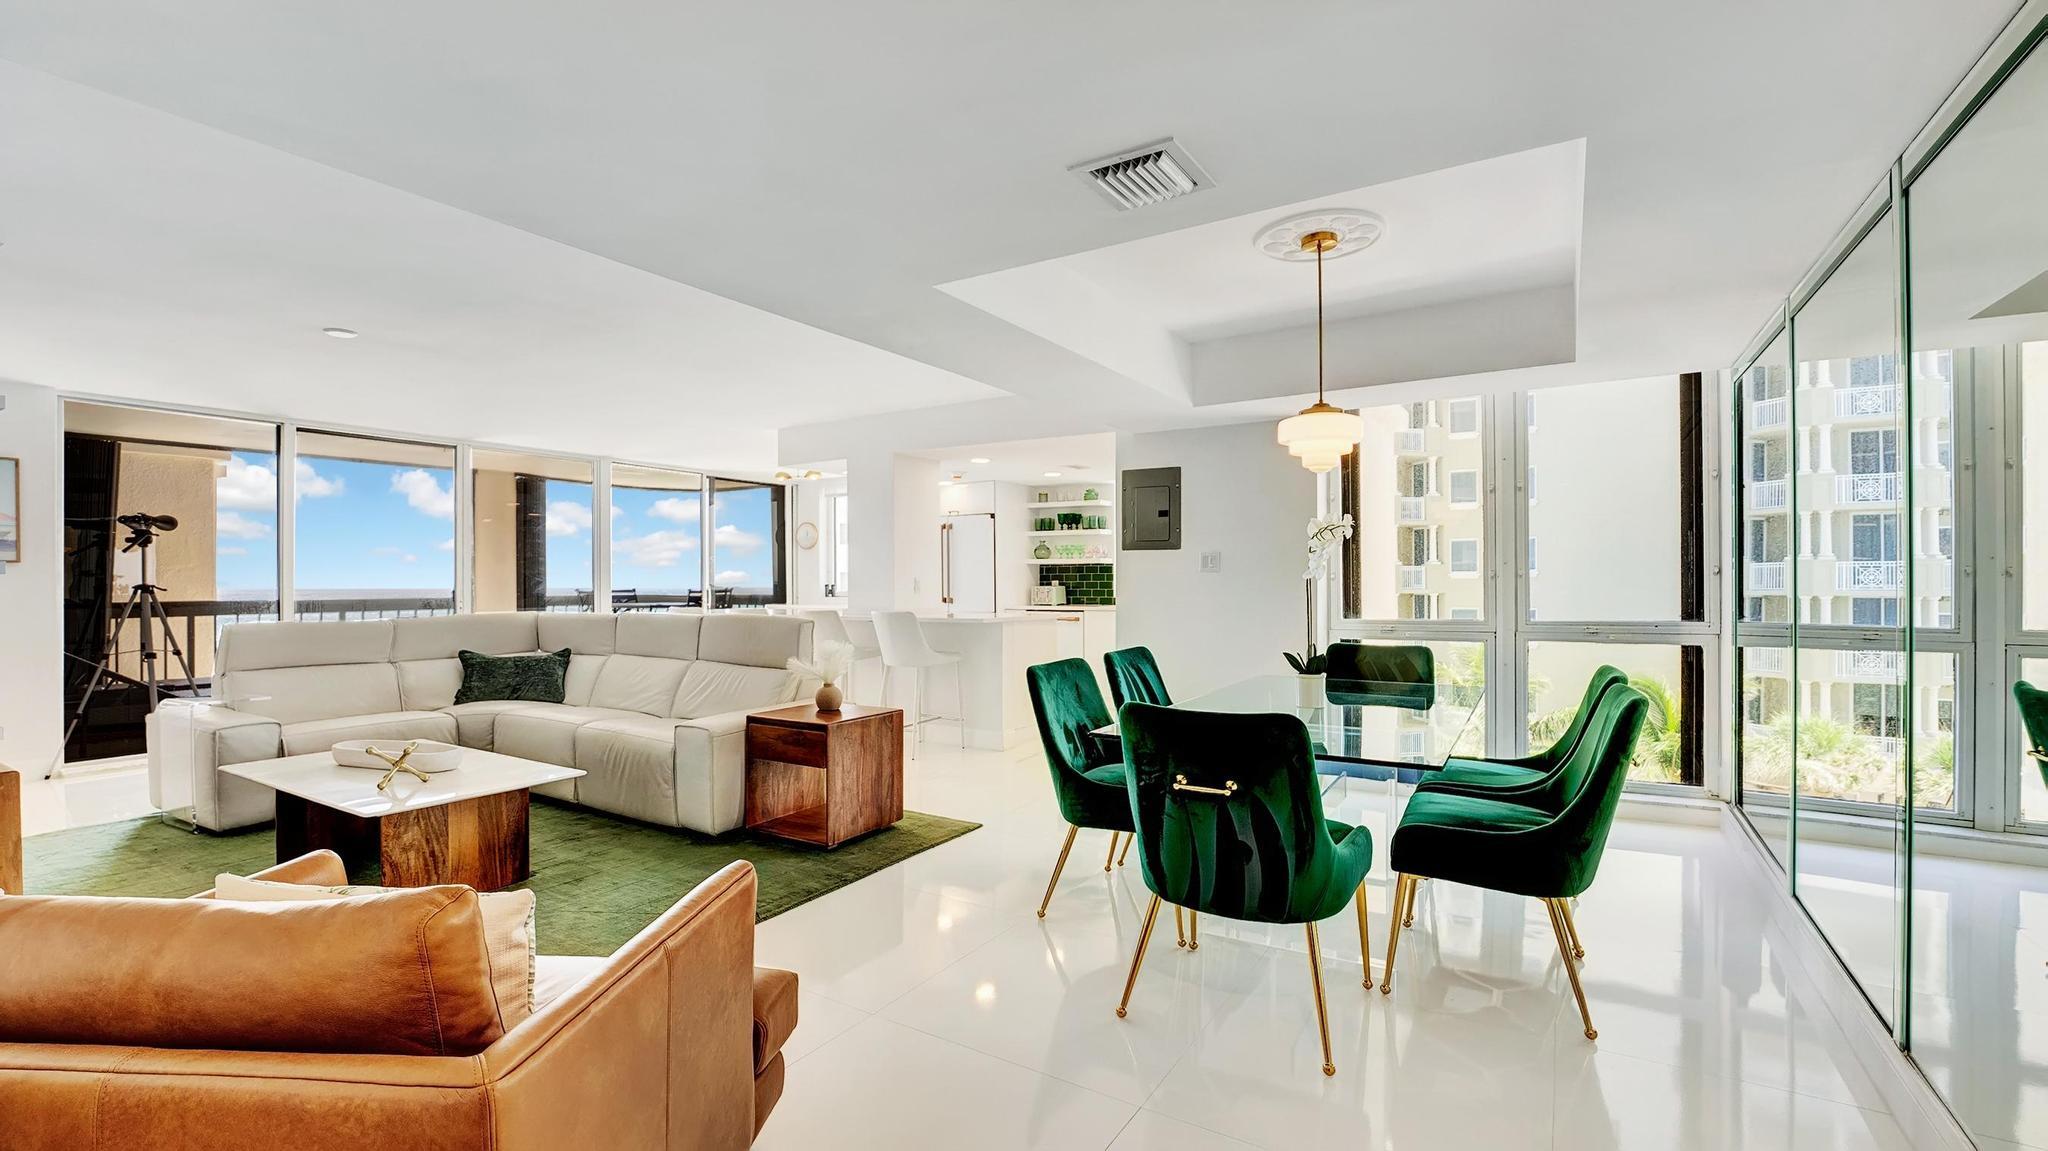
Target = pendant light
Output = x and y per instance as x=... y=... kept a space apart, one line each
x=1320 y=434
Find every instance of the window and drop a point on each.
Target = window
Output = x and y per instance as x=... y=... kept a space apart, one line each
x=1419 y=607
x=1401 y=500
x=1419 y=484
x=1874 y=611
x=1418 y=415
x=1464 y=417
x=1529 y=485
x=1464 y=613
x=1559 y=672
x=1529 y=410
x=1532 y=555
x=657 y=521
x=375 y=527
x=1465 y=487
x=533 y=532
x=1874 y=536
x=1465 y=557
x=746 y=542
x=1874 y=452
x=218 y=479
x=1876 y=709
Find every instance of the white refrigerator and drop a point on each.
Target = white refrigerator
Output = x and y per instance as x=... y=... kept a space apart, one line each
x=967 y=563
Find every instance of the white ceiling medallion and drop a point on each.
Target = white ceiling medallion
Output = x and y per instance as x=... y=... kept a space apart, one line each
x=1356 y=230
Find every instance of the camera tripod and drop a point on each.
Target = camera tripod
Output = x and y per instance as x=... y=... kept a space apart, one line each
x=145 y=607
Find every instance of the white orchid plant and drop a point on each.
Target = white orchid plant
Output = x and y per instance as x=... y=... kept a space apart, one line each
x=1324 y=534
x=828 y=664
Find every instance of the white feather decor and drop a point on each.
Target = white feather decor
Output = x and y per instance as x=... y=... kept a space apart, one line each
x=829 y=665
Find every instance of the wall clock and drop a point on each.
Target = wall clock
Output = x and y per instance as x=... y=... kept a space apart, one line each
x=807 y=535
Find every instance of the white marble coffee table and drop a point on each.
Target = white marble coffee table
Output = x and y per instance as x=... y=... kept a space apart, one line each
x=467 y=826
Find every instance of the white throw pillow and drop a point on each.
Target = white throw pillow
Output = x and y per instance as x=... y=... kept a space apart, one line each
x=508 y=930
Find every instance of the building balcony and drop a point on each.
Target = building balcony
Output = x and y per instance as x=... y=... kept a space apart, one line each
x=1766 y=577
x=1411 y=509
x=1771 y=413
x=1869 y=575
x=1867 y=403
x=1868 y=489
x=1868 y=666
x=1408 y=441
x=1765 y=660
x=1768 y=495
x=1412 y=577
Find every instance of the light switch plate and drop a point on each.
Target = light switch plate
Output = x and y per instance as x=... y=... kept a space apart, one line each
x=1212 y=561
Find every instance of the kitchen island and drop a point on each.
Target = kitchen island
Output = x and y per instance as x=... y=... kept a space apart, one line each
x=994 y=650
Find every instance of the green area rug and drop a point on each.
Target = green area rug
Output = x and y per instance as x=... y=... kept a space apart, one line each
x=599 y=880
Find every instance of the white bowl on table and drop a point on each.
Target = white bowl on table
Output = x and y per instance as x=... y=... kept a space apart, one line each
x=429 y=755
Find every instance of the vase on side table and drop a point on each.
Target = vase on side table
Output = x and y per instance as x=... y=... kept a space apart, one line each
x=829 y=697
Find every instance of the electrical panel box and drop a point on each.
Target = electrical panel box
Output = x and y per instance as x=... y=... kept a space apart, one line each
x=1151 y=509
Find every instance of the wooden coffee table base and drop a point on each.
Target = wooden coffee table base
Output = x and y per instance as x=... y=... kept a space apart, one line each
x=480 y=842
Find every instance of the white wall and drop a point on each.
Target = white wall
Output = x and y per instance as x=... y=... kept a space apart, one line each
x=1241 y=495
x=893 y=530
x=31 y=619
x=808 y=564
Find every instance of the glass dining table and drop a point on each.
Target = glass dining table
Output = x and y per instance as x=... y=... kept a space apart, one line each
x=1363 y=730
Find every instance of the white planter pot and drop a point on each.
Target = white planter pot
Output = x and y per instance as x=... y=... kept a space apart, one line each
x=1310 y=689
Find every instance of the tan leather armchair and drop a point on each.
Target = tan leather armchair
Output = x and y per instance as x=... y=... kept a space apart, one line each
x=674 y=1042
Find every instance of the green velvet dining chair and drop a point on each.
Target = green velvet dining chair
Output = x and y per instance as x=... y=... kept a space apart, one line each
x=1230 y=822
x=1134 y=677
x=1524 y=848
x=1087 y=775
x=1485 y=776
x=1381 y=674
x=2033 y=706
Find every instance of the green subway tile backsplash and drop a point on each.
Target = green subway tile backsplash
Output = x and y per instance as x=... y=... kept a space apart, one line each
x=1085 y=583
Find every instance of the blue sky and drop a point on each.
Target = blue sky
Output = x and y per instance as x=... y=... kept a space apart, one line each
x=391 y=526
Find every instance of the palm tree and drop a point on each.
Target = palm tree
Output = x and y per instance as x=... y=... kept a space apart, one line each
x=1658 y=755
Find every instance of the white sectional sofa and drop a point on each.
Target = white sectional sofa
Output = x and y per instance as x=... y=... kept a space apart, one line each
x=654 y=713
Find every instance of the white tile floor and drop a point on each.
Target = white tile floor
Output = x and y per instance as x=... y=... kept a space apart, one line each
x=939 y=1012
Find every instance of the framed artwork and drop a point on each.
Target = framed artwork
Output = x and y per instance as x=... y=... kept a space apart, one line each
x=10 y=509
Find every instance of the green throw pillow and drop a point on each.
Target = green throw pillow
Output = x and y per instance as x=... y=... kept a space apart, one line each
x=541 y=678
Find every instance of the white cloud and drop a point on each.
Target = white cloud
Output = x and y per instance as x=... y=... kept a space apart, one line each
x=655 y=549
x=424 y=493
x=568 y=518
x=731 y=577
x=231 y=551
x=726 y=537
x=311 y=485
x=445 y=545
x=245 y=485
x=237 y=526
x=409 y=558
x=675 y=509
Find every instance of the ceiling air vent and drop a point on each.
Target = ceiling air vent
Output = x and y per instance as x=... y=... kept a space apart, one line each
x=1150 y=174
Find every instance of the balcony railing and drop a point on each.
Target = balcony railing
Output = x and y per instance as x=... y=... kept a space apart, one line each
x=1869 y=575
x=1869 y=665
x=1412 y=577
x=1768 y=495
x=1871 y=488
x=1766 y=577
x=1771 y=413
x=1411 y=509
x=1859 y=403
x=1764 y=660
x=1408 y=441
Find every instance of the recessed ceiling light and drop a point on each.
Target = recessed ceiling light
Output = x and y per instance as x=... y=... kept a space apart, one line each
x=814 y=474
x=1052 y=475
x=978 y=460
x=341 y=333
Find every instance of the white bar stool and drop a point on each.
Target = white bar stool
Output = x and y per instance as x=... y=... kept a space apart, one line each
x=830 y=626
x=903 y=647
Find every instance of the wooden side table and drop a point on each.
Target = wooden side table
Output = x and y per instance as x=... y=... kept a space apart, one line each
x=824 y=777
x=10 y=832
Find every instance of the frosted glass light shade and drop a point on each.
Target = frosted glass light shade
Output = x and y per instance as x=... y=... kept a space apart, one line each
x=1320 y=435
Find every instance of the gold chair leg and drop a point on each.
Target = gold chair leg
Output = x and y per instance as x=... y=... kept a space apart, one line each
x=1408 y=909
x=1056 y=869
x=1571 y=967
x=1180 y=929
x=1194 y=932
x=1315 y=976
x=1125 y=853
x=1364 y=938
x=1403 y=885
x=1571 y=927
x=1138 y=960
x=1111 y=861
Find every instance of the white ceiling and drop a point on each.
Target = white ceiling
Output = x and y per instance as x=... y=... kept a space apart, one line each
x=1082 y=459
x=834 y=163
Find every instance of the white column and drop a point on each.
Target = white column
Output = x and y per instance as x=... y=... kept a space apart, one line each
x=892 y=532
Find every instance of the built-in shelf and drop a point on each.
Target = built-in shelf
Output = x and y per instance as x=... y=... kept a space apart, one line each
x=1070 y=563
x=1077 y=532
x=1072 y=504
